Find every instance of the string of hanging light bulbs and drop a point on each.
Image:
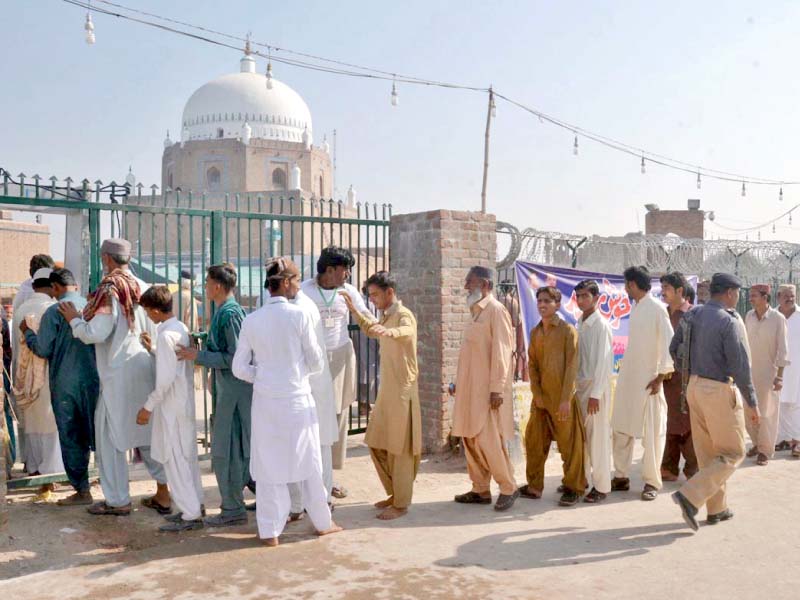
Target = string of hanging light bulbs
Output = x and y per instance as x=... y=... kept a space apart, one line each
x=342 y=68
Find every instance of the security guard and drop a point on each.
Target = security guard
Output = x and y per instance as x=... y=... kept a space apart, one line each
x=719 y=358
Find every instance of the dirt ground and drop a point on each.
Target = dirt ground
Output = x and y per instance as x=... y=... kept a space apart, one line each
x=623 y=548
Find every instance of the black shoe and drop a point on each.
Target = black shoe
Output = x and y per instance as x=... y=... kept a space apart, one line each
x=725 y=515
x=689 y=511
x=251 y=506
x=561 y=489
x=506 y=501
x=620 y=484
x=569 y=498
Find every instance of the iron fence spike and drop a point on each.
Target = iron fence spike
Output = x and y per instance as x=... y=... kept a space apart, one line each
x=21 y=175
x=36 y=177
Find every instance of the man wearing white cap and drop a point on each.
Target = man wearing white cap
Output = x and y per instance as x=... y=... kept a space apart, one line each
x=32 y=388
x=789 y=425
x=113 y=321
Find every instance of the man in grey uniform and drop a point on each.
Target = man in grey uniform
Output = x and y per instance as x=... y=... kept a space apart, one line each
x=719 y=358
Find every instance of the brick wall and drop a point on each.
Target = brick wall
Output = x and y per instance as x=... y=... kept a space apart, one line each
x=431 y=254
x=687 y=224
x=18 y=242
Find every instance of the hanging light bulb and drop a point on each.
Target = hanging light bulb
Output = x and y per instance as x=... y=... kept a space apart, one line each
x=269 y=74
x=575 y=146
x=644 y=169
x=790 y=218
x=780 y=194
x=395 y=97
x=759 y=235
x=698 y=180
x=744 y=190
x=89 y=29
x=773 y=228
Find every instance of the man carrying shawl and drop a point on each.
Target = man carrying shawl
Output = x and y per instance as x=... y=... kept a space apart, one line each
x=113 y=321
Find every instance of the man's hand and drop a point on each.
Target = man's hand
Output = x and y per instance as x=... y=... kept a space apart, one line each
x=594 y=406
x=143 y=416
x=349 y=302
x=538 y=402
x=144 y=338
x=23 y=326
x=755 y=415
x=184 y=353
x=68 y=311
x=777 y=384
x=378 y=330
x=654 y=387
x=563 y=411
x=495 y=400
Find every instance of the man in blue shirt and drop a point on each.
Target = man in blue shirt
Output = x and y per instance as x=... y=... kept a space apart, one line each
x=718 y=360
x=74 y=385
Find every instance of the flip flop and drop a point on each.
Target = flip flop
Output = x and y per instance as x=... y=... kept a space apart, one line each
x=156 y=506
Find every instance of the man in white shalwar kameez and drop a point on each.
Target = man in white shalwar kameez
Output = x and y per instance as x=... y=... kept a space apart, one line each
x=325 y=401
x=277 y=352
x=789 y=426
x=42 y=451
x=640 y=408
x=593 y=386
x=113 y=321
x=171 y=405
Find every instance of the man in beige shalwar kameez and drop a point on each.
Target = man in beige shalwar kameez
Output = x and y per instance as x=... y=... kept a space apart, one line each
x=483 y=413
x=769 y=354
x=394 y=432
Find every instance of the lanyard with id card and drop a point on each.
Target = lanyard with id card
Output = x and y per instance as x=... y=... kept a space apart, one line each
x=329 y=322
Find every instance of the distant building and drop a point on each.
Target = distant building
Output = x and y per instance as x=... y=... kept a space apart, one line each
x=687 y=224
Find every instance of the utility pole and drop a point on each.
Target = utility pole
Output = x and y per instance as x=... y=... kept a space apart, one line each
x=486 y=149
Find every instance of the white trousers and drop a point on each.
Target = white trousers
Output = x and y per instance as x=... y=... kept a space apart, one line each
x=273 y=505
x=597 y=454
x=185 y=485
x=113 y=466
x=654 y=436
x=789 y=422
x=295 y=490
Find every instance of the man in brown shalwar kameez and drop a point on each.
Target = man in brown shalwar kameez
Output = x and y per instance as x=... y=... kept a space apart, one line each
x=483 y=413
x=555 y=414
x=679 y=428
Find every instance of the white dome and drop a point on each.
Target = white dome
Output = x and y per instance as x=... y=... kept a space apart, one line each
x=220 y=108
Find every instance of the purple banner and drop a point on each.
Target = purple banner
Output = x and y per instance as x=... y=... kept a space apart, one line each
x=614 y=304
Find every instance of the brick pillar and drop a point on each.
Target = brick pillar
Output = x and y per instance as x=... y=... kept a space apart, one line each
x=431 y=253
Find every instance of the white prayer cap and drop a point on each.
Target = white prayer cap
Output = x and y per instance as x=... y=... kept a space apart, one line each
x=117 y=246
x=41 y=278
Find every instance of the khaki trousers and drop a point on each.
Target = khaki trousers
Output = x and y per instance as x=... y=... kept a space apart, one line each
x=544 y=428
x=765 y=434
x=343 y=371
x=654 y=437
x=397 y=473
x=487 y=458
x=718 y=434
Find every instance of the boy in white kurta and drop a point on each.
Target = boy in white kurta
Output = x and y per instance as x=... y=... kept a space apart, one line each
x=593 y=386
x=640 y=408
x=171 y=407
x=277 y=352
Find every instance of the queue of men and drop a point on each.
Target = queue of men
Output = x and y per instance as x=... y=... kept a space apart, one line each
x=115 y=374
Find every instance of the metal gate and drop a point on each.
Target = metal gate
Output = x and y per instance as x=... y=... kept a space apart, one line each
x=180 y=232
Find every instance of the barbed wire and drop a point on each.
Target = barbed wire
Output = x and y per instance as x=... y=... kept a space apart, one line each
x=753 y=261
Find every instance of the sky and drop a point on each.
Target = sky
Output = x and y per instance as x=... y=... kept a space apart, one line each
x=709 y=83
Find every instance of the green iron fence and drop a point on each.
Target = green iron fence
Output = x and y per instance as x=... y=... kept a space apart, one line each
x=179 y=232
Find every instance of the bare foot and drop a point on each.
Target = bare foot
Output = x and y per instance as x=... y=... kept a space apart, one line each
x=334 y=528
x=270 y=542
x=384 y=503
x=392 y=513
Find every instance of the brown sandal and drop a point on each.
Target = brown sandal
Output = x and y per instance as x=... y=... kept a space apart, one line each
x=525 y=493
x=101 y=508
x=151 y=502
x=472 y=498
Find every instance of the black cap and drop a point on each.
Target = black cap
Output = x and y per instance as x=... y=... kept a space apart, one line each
x=725 y=281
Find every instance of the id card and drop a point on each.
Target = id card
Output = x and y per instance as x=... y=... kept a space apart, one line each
x=330 y=323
